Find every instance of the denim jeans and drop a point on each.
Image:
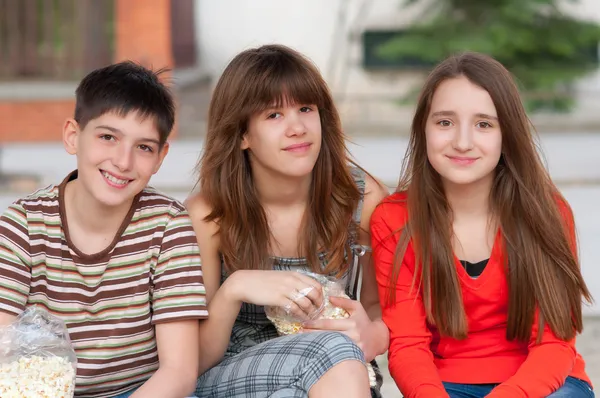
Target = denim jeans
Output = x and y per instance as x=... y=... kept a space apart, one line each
x=573 y=388
x=125 y=394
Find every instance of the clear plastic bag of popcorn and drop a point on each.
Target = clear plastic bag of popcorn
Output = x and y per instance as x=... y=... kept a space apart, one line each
x=286 y=323
x=37 y=359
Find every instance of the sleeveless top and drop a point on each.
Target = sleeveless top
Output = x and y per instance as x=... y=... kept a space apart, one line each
x=252 y=326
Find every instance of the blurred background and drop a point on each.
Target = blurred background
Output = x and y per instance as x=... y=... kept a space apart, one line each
x=373 y=53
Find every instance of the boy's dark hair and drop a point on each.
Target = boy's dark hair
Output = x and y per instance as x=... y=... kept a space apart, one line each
x=122 y=88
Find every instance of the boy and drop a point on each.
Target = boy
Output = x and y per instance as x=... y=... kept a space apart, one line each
x=113 y=258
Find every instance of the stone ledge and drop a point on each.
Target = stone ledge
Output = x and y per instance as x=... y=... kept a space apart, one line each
x=38 y=90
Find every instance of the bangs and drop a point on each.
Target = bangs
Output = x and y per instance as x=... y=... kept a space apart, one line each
x=279 y=80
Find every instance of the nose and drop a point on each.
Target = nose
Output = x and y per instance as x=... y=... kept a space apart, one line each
x=296 y=125
x=123 y=157
x=463 y=138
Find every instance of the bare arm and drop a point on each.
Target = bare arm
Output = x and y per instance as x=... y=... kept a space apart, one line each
x=258 y=287
x=223 y=308
x=177 y=344
x=375 y=192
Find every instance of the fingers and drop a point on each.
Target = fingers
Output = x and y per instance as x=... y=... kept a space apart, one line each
x=305 y=304
x=307 y=281
x=293 y=309
x=348 y=304
x=316 y=297
x=310 y=288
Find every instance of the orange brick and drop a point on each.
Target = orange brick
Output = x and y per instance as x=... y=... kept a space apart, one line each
x=29 y=121
x=143 y=32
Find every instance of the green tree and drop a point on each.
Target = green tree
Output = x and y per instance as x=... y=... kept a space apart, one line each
x=544 y=48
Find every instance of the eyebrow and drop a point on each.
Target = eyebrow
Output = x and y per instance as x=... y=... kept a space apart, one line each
x=117 y=131
x=451 y=113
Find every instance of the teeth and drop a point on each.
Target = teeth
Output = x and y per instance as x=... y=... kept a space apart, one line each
x=114 y=179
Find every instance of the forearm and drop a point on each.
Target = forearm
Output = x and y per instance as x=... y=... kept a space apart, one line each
x=215 y=331
x=168 y=383
x=373 y=309
x=383 y=335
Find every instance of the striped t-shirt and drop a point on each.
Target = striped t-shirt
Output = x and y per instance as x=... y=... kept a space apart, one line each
x=150 y=273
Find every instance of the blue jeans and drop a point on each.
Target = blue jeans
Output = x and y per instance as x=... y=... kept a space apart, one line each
x=573 y=388
x=125 y=394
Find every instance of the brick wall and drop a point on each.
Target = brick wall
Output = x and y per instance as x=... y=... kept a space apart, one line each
x=33 y=120
x=142 y=34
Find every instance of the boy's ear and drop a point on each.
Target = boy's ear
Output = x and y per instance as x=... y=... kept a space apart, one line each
x=70 y=134
x=161 y=156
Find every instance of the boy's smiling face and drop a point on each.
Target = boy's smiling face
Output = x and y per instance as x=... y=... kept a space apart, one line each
x=116 y=156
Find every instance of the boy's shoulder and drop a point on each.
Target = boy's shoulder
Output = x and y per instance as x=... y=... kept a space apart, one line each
x=155 y=201
x=43 y=198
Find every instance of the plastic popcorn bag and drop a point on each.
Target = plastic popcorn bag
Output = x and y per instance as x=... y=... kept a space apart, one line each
x=37 y=359
x=287 y=323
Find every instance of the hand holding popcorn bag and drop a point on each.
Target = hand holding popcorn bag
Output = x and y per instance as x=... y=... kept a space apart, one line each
x=287 y=323
x=37 y=359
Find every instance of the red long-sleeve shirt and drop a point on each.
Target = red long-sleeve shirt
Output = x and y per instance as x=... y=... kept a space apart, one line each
x=420 y=359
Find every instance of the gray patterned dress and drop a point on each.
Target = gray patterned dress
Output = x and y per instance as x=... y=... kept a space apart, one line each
x=259 y=363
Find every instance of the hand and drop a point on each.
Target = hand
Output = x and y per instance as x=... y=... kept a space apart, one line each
x=358 y=326
x=299 y=294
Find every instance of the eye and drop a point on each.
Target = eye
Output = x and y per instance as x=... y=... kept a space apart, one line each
x=107 y=137
x=274 y=115
x=445 y=123
x=306 y=109
x=146 y=148
x=483 y=125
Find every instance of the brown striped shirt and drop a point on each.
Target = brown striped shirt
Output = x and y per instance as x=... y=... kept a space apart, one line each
x=110 y=301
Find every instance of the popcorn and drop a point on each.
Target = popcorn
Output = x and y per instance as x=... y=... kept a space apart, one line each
x=37 y=377
x=287 y=326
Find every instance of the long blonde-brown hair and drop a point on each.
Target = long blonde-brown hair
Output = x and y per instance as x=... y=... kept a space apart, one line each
x=257 y=79
x=539 y=246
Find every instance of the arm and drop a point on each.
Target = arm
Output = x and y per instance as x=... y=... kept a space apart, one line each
x=177 y=344
x=252 y=286
x=375 y=192
x=15 y=263
x=178 y=301
x=410 y=358
x=215 y=331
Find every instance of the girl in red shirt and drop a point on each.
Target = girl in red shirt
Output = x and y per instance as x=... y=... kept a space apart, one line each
x=475 y=253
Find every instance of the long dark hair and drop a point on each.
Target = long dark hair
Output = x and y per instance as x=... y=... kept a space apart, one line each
x=536 y=222
x=255 y=80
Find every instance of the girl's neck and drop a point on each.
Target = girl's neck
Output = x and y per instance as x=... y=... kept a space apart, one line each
x=472 y=200
x=276 y=190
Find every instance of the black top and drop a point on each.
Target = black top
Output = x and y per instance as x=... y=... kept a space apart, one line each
x=474 y=269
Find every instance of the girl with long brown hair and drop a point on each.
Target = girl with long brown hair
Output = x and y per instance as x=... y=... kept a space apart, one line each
x=278 y=193
x=475 y=253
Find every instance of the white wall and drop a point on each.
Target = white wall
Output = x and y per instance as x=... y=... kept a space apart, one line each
x=586 y=9
x=226 y=27
x=321 y=29
x=329 y=32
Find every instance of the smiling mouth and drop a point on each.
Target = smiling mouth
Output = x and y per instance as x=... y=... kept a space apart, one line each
x=114 y=180
x=298 y=147
x=461 y=160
